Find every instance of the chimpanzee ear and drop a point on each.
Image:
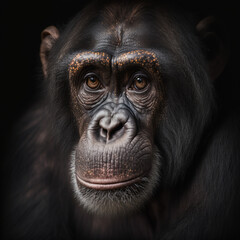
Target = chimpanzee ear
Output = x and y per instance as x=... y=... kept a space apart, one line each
x=214 y=44
x=48 y=37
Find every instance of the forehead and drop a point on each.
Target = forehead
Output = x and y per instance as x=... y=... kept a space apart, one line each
x=121 y=38
x=118 y=29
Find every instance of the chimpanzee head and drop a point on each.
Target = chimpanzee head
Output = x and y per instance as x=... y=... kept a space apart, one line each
x=132 y=86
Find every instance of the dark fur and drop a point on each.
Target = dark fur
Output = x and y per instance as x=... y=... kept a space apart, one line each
x=198 y=197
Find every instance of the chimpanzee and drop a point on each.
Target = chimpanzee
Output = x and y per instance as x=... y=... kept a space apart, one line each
x=128 y=141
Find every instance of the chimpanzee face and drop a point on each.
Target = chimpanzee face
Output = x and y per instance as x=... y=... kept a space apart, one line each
x=115 y=99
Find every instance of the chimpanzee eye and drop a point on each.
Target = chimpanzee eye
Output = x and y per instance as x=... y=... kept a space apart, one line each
x=139 y=82
x=92 y=81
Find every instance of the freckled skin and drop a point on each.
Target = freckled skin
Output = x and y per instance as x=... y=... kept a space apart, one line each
x=139 y=57
x=87 y=58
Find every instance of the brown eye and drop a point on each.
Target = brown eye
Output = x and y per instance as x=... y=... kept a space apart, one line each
x=92 y=82
x=139 y=82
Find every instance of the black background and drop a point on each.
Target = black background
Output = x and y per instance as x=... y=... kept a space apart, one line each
x=20 y=27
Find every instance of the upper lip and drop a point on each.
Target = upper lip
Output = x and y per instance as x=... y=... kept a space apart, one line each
x=108 y=184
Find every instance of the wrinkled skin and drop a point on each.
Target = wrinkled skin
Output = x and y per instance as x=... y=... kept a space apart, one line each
x=116 y=149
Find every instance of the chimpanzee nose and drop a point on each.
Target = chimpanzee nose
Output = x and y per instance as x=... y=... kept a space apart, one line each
x=113 y=123
x=112 y=127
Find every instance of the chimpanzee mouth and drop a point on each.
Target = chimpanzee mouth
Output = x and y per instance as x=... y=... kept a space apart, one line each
x=112 y=199
x=109 y=184
x=115 y=195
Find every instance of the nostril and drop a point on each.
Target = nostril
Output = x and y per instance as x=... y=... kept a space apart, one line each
x=115 y=131
x=111 y=132
x=112 y=127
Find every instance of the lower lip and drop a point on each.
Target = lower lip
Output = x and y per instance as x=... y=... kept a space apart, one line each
x=109 y=186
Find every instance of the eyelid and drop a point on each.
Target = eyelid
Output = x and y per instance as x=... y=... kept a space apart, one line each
x=90 y=74
x=138 y=74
